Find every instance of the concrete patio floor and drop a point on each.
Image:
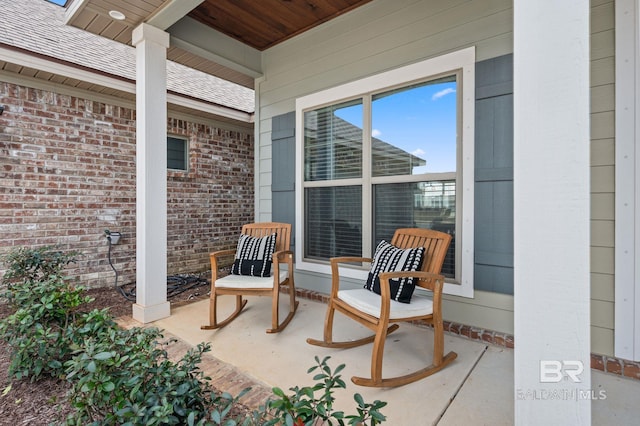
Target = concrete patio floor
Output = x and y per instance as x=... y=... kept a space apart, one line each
x=476 y=389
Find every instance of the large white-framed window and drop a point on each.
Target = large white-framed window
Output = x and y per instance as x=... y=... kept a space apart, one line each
x=391 y=150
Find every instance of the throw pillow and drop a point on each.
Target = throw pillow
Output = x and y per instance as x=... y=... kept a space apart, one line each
x=254 y=256
x=389 y=258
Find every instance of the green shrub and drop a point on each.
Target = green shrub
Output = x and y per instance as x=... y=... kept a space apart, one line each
x=47 y=319
x=40 y=332
x=221 y=413
x=34 y=264
x=125 y=377
x=304 y=408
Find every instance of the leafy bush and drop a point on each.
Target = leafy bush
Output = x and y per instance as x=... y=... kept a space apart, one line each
x=33 y=264
x=47 y=319
x=40 y=332
x=304 y=408
x=125 y=377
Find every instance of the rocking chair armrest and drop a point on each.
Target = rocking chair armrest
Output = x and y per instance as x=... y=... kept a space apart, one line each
x=426 y=280
x=282 y=256
x=286 y=255
x=335 y=273
x=214 y=257
x=222 y=253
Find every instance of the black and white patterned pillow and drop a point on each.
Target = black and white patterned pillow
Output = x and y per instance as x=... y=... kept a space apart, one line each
x=389 y=258
x=254 y=256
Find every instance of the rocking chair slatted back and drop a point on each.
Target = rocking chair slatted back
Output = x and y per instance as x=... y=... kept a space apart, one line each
x=264 y=229
x=435 y=243
x=255 y=286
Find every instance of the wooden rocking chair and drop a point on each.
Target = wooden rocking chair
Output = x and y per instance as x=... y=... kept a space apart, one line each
x=378 y=311
x=238 y=285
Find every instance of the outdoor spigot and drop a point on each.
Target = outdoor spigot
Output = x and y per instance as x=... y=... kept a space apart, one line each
x=112 y=236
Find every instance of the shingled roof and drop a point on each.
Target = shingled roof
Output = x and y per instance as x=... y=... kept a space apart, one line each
x=38 y=26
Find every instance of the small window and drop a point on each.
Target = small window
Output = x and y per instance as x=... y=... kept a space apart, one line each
x=177 y=153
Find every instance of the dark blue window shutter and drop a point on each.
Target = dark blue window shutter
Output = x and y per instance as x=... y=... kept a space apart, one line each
x=283 y=162
x=493 y=268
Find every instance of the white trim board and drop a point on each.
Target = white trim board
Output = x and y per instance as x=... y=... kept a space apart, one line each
x=627 y=178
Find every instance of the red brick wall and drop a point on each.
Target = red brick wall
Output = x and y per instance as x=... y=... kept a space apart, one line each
x=67 y=173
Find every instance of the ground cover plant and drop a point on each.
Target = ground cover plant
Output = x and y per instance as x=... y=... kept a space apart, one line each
x=105 y=375
x=304 y=407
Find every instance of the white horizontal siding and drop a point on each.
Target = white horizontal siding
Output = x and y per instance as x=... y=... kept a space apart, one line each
x=386 y=34
x=377 y=37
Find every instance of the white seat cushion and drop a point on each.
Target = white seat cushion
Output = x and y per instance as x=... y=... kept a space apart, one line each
x=247 y=281
x=369 y=302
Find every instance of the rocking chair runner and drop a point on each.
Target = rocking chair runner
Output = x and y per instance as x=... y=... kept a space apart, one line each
x=377 y=311
x=239 y=285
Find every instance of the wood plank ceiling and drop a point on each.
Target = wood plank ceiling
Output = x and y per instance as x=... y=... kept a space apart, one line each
x=260 y=24
x=265 y=23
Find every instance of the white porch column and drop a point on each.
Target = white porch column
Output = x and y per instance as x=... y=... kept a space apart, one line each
x=151 y=185
x=551 y=212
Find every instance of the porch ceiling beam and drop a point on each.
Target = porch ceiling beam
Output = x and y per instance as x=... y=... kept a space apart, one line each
x=172 y=12
x=195 y=37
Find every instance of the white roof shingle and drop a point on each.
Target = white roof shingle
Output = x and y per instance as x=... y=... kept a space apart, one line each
x=38 y=26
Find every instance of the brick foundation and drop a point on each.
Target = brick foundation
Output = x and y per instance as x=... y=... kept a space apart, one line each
x=604 y=363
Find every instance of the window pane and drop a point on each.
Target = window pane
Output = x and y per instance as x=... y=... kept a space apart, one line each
x=333 y=222
x=414 y=129
x=429 y=205
x=333 y=142
x=176 y=153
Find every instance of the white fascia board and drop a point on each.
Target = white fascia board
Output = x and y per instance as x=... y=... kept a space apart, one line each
x=234 y=114
x=38 y=63
x=43 y=64
x=195 y=37
x=74 y=10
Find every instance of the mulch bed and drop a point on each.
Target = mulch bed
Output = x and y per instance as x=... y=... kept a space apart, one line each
x=44 y=402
